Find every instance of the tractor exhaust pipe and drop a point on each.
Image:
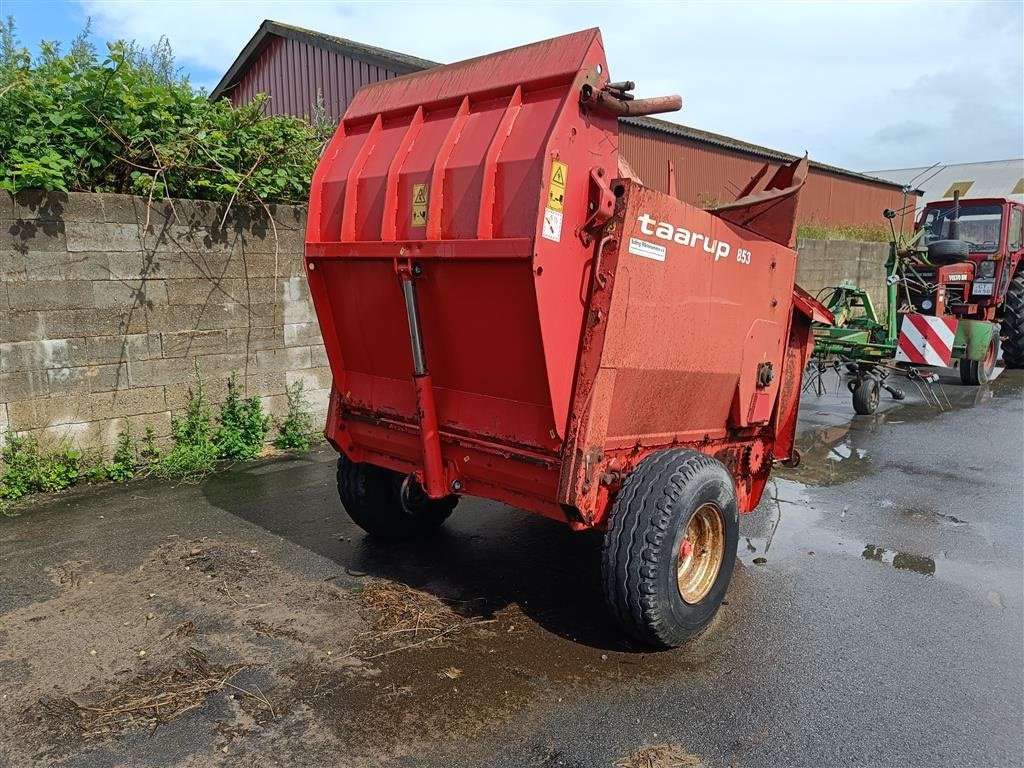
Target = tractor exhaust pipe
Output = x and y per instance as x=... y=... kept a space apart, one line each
x=618 y=102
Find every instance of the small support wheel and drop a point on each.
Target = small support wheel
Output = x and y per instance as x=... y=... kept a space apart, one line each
x=670 y=547
x=975 y=372
x=866 y=393
x=387 y=504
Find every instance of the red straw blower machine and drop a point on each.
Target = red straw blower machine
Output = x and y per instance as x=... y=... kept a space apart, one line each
x=510 y=313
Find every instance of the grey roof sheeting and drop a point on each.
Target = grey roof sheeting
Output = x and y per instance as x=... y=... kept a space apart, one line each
x=405 y=64
x=995 y=178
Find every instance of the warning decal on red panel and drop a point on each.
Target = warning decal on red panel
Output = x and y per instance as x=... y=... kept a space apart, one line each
x=926 y=340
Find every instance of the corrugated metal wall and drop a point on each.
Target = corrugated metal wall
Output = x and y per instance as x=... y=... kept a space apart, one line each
x=706 y=174
x=292 y=72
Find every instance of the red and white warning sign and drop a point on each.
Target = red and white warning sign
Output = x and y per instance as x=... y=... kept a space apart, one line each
x=926 y=340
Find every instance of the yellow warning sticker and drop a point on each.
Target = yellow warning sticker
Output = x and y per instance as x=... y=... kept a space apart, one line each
x=556 y=190
x=419 y=205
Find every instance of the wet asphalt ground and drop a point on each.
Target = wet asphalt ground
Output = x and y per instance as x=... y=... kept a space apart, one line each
x=876 y=616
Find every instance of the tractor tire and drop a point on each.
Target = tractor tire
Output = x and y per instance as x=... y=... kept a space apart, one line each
x=670 y=547
x=1012 y=329
x=866 y=395
x=387 y=504
x=975 y=372
x=948 y=251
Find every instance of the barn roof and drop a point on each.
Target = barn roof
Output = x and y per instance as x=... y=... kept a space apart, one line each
x=402 y=64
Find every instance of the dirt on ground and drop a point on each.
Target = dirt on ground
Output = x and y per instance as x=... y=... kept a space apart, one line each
x=279 y=664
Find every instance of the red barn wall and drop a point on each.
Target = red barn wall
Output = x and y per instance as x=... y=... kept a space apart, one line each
x=706 y=174
x=292 y=72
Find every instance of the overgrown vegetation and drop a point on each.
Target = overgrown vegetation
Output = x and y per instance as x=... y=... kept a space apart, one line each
x=870 y=233
x=129 y=122
x=194 y=453
x=27 y=469
x=243 y=425
x=295 y=430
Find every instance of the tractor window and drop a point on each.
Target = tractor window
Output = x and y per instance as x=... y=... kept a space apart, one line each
x=1016 y=229
x=978 y=225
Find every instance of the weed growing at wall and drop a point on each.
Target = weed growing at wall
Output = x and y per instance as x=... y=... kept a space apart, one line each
x=295 y=430
x=27 y=469
x=194 y=454
x=122 y=467
x=127 y=122
x=243 y=425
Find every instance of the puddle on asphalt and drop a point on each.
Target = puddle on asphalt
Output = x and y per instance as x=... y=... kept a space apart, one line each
x=789 y=524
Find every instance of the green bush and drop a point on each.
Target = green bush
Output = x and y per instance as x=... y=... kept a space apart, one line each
x=194 y=453
x=122 y=467
x=243 y=425
x=129 y=123
x=295 y=430
x=29 y=470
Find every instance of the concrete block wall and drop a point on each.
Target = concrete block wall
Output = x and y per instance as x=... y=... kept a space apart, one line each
x=108 y=302
x=826 y=263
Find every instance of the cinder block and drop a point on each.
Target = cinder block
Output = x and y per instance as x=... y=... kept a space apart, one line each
x=122 y=209
x=254 y=338
x=312 y=379
x=101 y=236
x=176 y=395
x=40 y=355
x=299 y=334
x=285 y=265
x=265 y=384
x=127 y=293
x=24 y=385
x=88 y=379
x=21 y=326
x=36 y=204
x=27 y=235
x=52 y=294
x=318 y=356
x=146 y=373
x=192 y=343
x=122 y=349
x=289 y=359
x=207 y=290
x=206 y=317
x=93 y=322
x=70 y=409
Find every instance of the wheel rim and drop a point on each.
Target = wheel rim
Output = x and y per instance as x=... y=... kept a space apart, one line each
x=990 y=358
x=700 y=553
x=873 y=398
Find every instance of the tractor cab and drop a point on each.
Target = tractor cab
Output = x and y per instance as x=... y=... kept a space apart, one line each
x=964 y=256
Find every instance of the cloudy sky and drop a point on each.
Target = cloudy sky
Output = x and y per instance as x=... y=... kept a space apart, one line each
x=866 y=86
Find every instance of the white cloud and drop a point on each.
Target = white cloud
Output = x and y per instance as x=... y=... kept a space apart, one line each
x=847 y=82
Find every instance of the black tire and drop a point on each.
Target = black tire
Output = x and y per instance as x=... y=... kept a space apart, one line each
x=646 y=532
x=866 y=395
x=948 y=251
x=373 y=498
x=1012 y=329
x=976 y=372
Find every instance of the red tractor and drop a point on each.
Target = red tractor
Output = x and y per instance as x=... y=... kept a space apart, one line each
x=969 y=263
